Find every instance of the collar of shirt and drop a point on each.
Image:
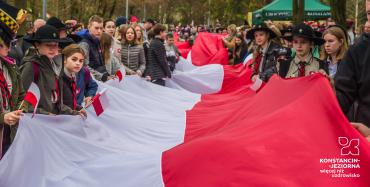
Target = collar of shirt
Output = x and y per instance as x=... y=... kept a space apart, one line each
x=308 y=59
x=69 y=74
x=264 y=50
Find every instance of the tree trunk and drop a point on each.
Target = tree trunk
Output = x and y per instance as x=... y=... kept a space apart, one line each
x=111 y=12
x=62 y=10
x=104 y=9
x=336 y=11
x=20 y=4
x=298 y=11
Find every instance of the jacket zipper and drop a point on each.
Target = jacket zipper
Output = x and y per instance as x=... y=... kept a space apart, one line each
x=128 y=56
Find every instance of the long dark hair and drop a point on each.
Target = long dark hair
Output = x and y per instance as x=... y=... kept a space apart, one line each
x=106 y=42
x=242 y=45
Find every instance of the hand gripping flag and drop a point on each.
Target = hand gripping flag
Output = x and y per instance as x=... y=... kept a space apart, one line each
x=257 y=85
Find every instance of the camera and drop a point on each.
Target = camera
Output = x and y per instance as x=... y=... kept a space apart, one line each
x=281 y=54
x=283 y=51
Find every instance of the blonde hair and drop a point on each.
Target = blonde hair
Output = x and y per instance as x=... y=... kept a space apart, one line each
x=232 y=28
x=341 y=36
x=95 y=18
x=141 y=39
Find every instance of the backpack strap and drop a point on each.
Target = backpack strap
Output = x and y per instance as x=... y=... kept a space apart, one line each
x=36 y=72
x=87 y=75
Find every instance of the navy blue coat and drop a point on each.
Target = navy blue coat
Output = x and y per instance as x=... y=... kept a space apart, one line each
x=86 y=85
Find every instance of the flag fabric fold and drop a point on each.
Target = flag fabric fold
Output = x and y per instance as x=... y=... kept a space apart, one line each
x=209 y=49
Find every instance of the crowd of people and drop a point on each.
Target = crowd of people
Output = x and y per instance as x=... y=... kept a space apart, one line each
x=66 y=60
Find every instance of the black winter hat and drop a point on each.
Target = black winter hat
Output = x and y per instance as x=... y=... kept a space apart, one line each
x=121 y=20
x=57 y=23
x=305 y=31
x=260 y=27
x=46 y=33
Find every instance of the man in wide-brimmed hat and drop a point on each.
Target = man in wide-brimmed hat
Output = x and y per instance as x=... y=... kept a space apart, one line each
x=44 y=68
x=264 y=64
x=304 y=63
x=11 y=90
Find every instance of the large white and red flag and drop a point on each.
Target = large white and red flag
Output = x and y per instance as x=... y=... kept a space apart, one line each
x=158 y=136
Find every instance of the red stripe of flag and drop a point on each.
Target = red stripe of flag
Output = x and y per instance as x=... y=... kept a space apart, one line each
x=119 y=75
x=97 y=105
x=273 y=138
x=31 y=98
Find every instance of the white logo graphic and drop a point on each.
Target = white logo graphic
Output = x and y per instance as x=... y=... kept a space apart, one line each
x=349 y=147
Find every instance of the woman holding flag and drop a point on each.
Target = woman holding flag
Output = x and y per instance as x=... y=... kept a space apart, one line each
x=264 y=65
x=78 y=85
x=11 y=90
